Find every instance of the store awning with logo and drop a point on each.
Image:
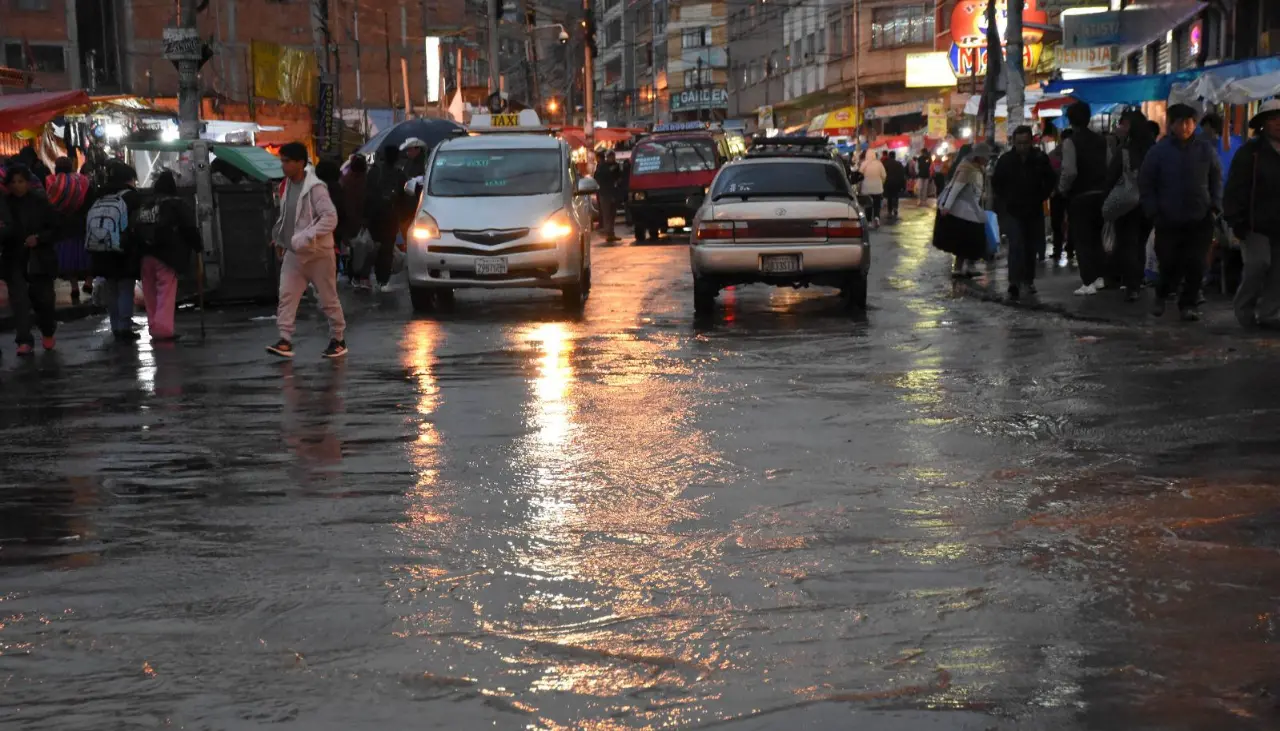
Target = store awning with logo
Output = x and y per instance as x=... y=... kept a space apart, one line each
x=843 y=122
x=25 y=111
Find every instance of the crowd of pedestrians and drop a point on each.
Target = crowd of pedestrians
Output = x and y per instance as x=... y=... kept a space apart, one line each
x=1109 y=195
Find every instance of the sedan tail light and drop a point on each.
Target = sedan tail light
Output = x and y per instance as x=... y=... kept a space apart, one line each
x=714 y=231
x=842 y=228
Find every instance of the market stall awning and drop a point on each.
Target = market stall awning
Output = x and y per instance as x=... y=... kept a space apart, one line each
x=843 y=122
x=255 y=162
x=24 y=111
x=1133 y=89
x=1214 y=89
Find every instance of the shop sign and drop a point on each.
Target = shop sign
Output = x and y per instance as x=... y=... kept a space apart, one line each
x=1196 y=39
x=962 y=59
x=1094 y=29
x=937 y=113
x=764 y=117
x=895 y=110
x=326 y=127
x=716 y=97
x=182 y=44
x=929 y=70
x=1094 y=57
x=969 y=35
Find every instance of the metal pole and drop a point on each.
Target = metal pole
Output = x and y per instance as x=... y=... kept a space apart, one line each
x=1016 y=89
x=386 y=29
x=588 y=85
x=188 y=85
x=857 y=69
x=495 y=64
x=355 y=26
x=989 y=90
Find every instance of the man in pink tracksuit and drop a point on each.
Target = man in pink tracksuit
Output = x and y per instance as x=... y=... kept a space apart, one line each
x=303 y=236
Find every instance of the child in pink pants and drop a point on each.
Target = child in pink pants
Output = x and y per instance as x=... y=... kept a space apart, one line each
x=160 y=290
x=169 y=237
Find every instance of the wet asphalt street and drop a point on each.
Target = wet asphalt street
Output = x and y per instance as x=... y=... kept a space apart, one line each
x=946 y=515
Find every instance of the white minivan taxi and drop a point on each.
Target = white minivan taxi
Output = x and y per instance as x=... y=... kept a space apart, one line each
x=499 y=210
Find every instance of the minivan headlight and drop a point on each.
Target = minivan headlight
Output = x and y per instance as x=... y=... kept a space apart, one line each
x=556 y=228
x=425 y=227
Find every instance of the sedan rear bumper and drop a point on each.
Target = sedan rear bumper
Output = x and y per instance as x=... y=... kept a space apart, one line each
x=743 y=263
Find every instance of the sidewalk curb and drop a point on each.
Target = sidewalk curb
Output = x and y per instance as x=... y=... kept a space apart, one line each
x=1032 y=303
x=64 y=314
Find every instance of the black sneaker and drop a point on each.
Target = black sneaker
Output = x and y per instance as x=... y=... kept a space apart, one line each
x=1014 y=294
x=336 y=349
x=1189 y=314
x=1031 y=290
x=127 y=336
x=1157 y=309
x=284 y=349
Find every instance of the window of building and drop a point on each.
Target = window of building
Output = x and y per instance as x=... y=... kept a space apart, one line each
x=613 y=32
x=908 y=25
x=50 y=59
x=810 y=48
x=697 y=77
x=837 y=36
x=696 y=38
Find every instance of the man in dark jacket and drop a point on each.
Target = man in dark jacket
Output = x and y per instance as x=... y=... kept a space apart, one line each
x=1022 y=181
x=385 y=185
x=608 y=176
x=1181 y=191
x=895 y=183
x=1082 y=181
x=1249 y=206
x=28 y=259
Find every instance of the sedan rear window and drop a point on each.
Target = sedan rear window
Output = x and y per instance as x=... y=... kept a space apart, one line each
x=787 y=179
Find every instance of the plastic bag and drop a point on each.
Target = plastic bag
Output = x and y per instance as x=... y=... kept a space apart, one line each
x=364 y=252
x=1152 y=267
x=993 y=234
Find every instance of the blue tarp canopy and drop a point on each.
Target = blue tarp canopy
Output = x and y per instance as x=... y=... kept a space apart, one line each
x=1135 y=89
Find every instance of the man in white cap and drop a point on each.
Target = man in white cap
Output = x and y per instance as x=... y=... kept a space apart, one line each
x=1249 y=206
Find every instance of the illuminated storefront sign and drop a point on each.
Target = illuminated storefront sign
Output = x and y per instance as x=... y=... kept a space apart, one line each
x=969 y=35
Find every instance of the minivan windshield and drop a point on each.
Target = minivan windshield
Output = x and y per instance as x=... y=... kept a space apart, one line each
x=673 y=156
x=792 y=179
x=478 y=173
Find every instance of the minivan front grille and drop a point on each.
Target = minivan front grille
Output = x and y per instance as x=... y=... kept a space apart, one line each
x=492 y=237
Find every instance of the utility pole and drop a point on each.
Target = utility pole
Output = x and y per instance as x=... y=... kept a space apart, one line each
x=589 y=74
x=386 y=33
x=495 y=64
x=1017 y=86
x=990 y=88
x=188 y=84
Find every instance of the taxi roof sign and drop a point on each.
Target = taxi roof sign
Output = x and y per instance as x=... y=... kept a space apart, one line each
x=525 y=120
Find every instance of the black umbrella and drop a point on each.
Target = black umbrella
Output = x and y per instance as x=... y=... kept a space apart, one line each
x=430 y=131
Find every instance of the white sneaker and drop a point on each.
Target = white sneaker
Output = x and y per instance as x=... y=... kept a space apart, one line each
x=388 y=287
x=1086 y=290
x=1099 y=283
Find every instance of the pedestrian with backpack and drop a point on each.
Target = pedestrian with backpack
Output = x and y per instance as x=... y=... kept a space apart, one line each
x=303 y=236
x=28 y=259
x=168 y=235
x=113 y=248
x=385 y=187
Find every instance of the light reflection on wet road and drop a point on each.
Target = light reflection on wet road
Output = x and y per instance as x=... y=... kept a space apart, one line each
x=944 y=515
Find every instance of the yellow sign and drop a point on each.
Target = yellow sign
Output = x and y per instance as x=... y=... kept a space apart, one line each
x=283 y=74
x=505 y=120
x=937 y=120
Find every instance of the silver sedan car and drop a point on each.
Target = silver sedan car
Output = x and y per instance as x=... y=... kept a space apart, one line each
x=783 y=218
x=501 y=211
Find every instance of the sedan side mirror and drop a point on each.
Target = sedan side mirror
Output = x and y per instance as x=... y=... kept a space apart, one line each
x=587 y=186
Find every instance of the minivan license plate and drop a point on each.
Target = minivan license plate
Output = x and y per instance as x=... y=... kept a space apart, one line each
x=491 y=265
x=788 y=264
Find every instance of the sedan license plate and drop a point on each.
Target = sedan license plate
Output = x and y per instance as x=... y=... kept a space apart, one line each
x=675 y=222
x=786 y=264
x=491 y=265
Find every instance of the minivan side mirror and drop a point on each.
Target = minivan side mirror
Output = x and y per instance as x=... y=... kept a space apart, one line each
x=587 y=186
x=695 y=201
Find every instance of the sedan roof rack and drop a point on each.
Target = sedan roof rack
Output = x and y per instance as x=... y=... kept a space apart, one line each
x=815 y=147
